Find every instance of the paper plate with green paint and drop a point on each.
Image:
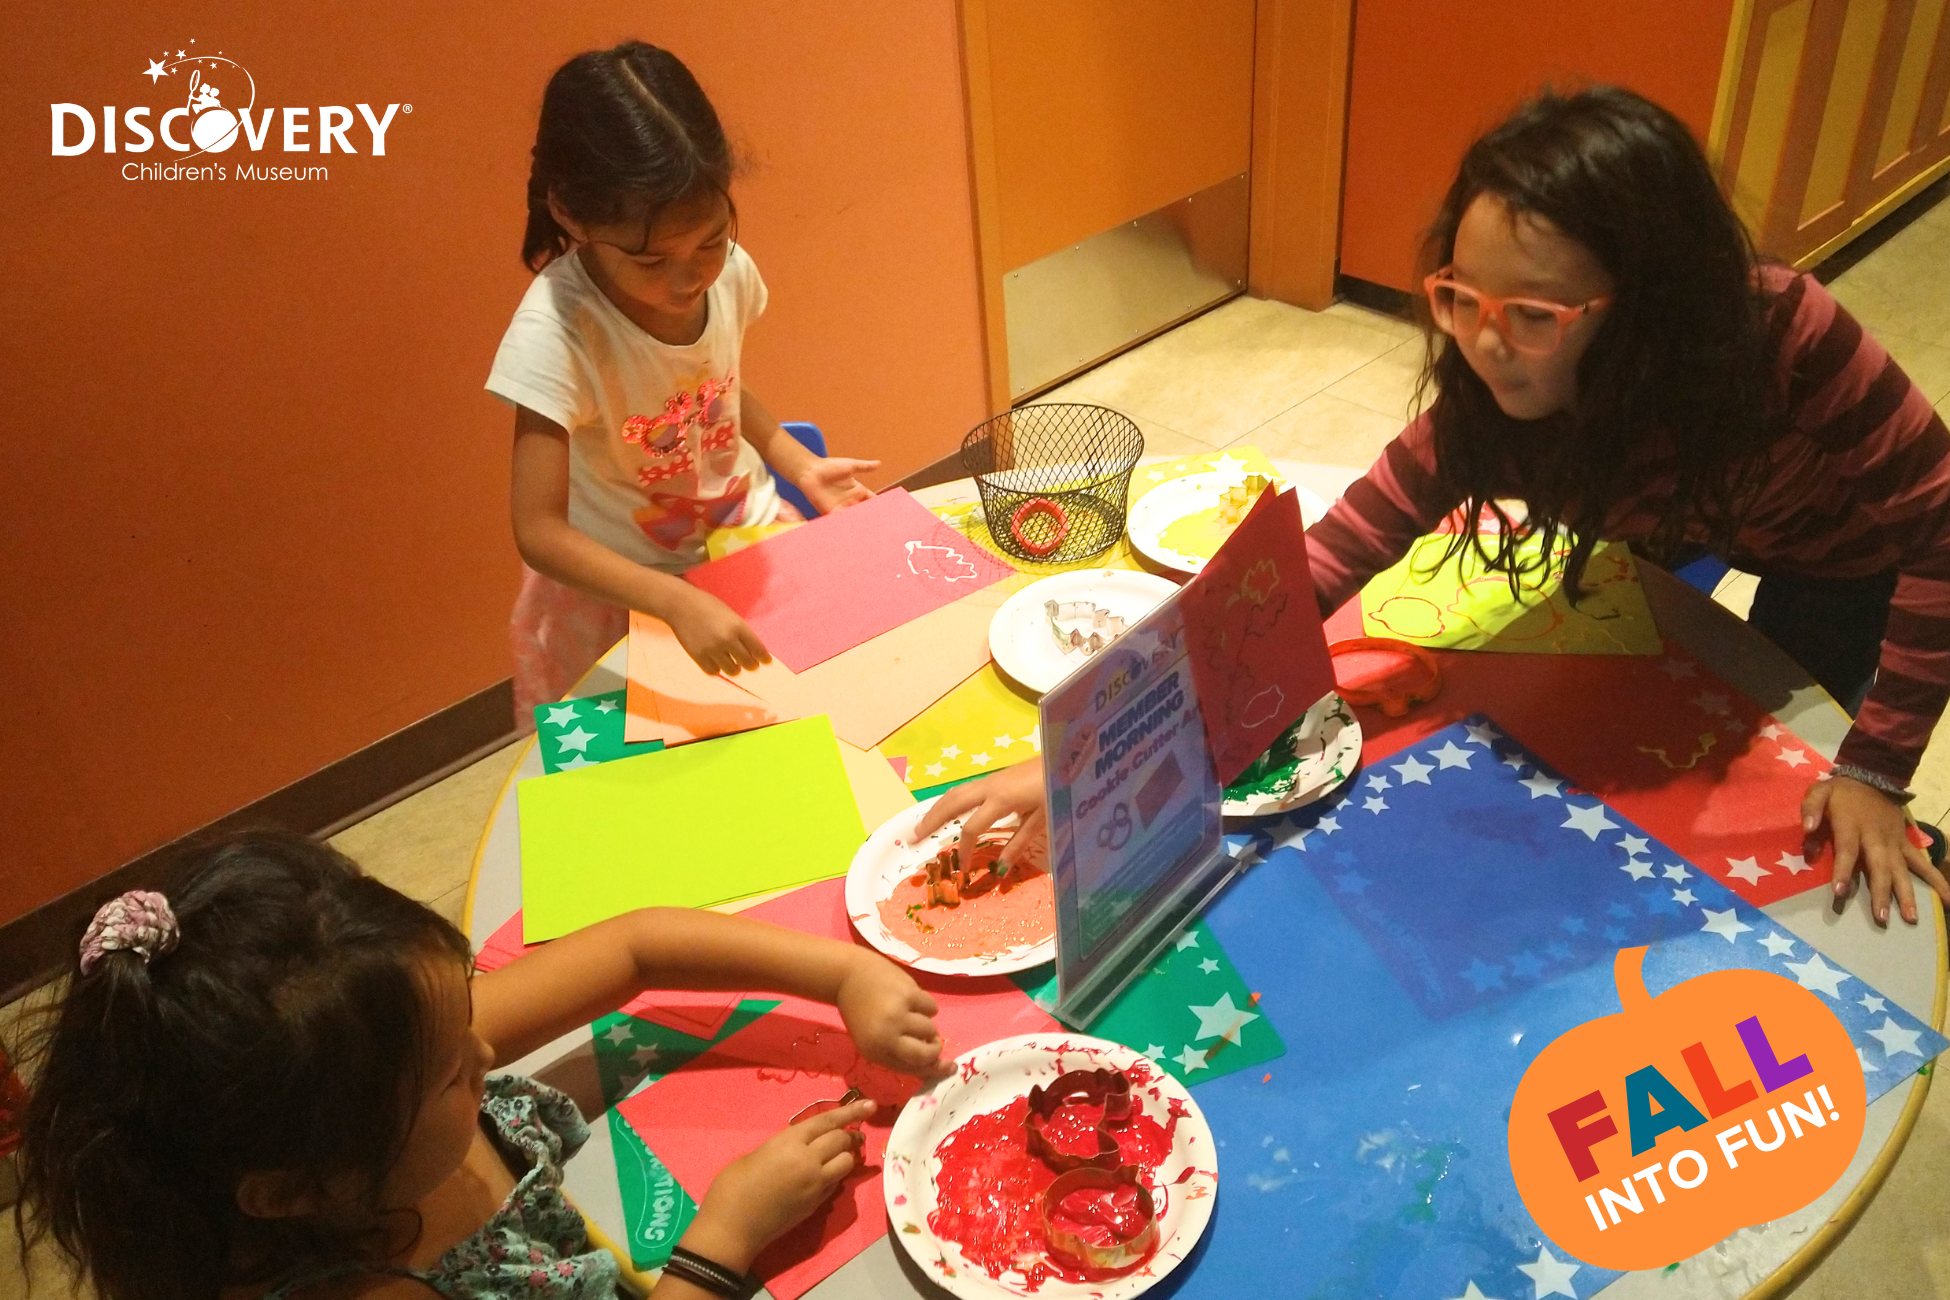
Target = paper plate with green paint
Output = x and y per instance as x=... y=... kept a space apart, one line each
x=1309 y=761
x=1176 y=524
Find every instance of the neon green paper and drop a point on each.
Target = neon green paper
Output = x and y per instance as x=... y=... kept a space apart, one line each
x=693 y=826
x=980 y=726
x=1459 y=606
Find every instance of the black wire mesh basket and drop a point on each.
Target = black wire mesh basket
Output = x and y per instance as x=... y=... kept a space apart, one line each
x=1054 y=478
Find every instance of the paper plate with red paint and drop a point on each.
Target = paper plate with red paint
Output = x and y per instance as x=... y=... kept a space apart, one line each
x=1009 y=928
x=964 y=1195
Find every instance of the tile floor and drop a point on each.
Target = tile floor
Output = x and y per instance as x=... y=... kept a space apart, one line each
x=1333 y=387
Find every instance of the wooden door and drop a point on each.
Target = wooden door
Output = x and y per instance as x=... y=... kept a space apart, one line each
x=1840 y=111
x=1111 y=141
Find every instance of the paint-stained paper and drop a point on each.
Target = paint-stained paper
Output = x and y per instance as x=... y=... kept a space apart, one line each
x=844 y=578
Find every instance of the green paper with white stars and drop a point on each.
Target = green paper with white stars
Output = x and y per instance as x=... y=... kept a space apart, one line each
x=630 y=1054
x=576 y=733
x=1191 y=1012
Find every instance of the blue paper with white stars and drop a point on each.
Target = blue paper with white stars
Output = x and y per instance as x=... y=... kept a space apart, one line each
x=1421 y=938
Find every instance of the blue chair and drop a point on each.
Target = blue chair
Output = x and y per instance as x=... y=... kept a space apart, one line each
x=809 y=437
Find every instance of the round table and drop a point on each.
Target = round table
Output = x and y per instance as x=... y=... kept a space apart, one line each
x=1908 y=963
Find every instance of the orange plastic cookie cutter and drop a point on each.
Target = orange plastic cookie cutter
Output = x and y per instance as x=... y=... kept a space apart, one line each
x=1415 y=678
x=1059 y=525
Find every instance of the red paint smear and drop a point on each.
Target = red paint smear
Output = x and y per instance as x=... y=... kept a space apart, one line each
x=989 y=1192
x=1594 y=717
x=735 y=1096
x=1016 y=913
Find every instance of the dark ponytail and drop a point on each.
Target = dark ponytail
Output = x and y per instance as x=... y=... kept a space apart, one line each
x=623 y=134
x=287 y=1031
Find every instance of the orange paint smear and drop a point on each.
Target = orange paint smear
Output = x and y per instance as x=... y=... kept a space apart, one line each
x=1016 y=913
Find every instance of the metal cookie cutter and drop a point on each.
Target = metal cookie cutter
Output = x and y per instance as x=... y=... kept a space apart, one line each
x=950 y=879
x=1128 y=1247
x=1109 y=1088
x=1105 y=626
x=846 y=1098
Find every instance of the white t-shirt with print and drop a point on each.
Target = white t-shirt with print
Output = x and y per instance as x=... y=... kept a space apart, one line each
x=656 y=459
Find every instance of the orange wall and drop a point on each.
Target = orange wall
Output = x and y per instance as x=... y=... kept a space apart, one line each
x=254 y=496
x=1430 y=76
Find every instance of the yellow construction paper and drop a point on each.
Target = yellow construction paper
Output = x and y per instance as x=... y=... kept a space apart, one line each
x=720 y=542
x=981 y=725
x=1460 y=606
x=689 y=827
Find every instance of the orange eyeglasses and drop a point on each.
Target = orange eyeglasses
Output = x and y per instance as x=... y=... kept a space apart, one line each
x=1528 y=324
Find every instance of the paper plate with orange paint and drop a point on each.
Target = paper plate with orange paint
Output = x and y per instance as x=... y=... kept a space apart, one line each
x=964 y=1195
x=1008 y=928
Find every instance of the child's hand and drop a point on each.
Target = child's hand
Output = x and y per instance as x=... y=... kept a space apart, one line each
x=1017 y=790
x=1869 y=832
x=713 y=635
x=890 y=1017
x=765 y=1192
x=829 y=482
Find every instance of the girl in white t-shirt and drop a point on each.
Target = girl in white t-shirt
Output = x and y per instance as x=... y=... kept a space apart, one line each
x=635 y=433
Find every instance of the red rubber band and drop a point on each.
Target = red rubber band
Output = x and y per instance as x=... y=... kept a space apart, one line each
x=1029 y=510
x=1399 y=691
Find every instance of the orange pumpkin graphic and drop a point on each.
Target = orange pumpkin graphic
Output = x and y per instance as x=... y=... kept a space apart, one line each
x=1643 y=1138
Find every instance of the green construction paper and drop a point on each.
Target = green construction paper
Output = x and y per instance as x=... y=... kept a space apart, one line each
x=631 y=1054
x=694 y=826
x=1154 y=1015
x=575 y=733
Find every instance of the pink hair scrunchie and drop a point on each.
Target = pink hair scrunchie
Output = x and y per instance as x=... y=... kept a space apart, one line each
x=139 y=921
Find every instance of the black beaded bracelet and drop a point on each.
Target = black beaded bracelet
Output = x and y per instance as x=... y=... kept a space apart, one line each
x=709 y=1274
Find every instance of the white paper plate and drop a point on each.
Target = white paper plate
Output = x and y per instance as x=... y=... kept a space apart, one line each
x=891 y=854
x=1178 y=498
x=1329 y=750
x=1020 y=639
x=988 y=1079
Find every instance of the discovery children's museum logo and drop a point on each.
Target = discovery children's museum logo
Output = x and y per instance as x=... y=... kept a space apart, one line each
x=210 y=106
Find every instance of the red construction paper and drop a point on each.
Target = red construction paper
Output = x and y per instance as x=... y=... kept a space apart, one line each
x=688 y=1011
x=1662 y=740
x=1253 y=628
x=746 y=1088
x=843 y=578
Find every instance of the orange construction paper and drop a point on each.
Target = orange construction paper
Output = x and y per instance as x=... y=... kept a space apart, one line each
x=882 y=684
x=877 y=788
x=669 y=698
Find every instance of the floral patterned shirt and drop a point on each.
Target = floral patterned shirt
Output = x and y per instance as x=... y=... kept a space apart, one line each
x=535 y=1245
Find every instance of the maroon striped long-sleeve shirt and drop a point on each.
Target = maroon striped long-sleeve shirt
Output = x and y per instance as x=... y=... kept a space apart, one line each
x=1859 y=483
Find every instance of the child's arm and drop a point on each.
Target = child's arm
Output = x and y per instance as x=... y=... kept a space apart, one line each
x=708 y=629
x=827 y=481
x=576 y=978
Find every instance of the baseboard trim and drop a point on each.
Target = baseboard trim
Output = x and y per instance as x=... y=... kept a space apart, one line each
x=1375 y=297
x=39 y=946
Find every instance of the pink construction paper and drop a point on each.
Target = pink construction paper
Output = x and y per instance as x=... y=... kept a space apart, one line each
x=825 y=587
x=746 y=1088
x=1253 y=628
x=698 y=1014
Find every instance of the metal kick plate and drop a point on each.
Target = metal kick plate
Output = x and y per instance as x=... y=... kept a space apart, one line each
x=1084 y=303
